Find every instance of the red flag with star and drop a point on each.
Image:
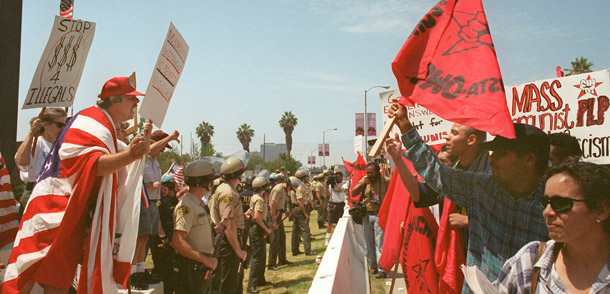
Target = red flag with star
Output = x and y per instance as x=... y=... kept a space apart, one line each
x=448 y=65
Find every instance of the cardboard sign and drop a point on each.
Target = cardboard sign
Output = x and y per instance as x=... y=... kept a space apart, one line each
x=577 y=105
x=430 y=127
x=61 y=66
x=165 y=77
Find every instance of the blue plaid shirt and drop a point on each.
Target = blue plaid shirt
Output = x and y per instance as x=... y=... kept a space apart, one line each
x=517 y=272
x=500 y=222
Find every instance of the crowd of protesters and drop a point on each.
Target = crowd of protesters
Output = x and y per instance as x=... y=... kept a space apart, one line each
x=198 y=242
x=533 y=217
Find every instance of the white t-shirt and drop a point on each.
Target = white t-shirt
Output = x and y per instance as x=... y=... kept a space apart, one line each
x=152 y=173
x=339 y=196
x=30 y=173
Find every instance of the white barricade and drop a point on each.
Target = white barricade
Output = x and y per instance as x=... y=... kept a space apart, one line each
x=344 y=267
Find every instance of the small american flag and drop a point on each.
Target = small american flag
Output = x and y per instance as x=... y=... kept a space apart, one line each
x=66 y=8
x=180 y=187
x=8 y=207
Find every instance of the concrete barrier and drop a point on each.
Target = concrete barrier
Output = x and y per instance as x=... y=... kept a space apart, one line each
x=343 y=268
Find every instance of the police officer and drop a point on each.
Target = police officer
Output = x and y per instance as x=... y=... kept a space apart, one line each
x=258 y=203
x=192 y=236
x=321 y=192
x=247 y=193
x=277 y=204
x=302 y=208
x=226 y=198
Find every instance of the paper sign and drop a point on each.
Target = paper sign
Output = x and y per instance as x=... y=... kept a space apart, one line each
x=577 y=105
x=430 y=127
x=165 y=77
x=61 y=65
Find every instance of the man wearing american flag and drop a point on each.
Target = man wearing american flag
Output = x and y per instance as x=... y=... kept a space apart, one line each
x=78 y=211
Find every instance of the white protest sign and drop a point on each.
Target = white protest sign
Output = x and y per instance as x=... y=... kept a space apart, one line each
x=61 y=65
x=576 y=105
x=165 y=76
x=358 y=144
x=430 y=127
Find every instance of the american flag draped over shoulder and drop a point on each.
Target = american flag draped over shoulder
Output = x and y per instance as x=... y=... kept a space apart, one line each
x=8 y=207
x=66 y=197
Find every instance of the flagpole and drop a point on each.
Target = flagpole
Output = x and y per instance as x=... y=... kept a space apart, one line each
x=402 y=232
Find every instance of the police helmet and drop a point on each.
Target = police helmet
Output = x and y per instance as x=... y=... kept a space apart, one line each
x=198 y=173
x=294 y=182
x=232 y=168
x=300 y=174
x=249 y=180
x=259 y=183
x=272 y=176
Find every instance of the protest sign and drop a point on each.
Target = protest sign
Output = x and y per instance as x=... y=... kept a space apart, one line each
x=61 y=66
x=575 y=105
x=358 y=144
x=431 y=127
x=165 y=76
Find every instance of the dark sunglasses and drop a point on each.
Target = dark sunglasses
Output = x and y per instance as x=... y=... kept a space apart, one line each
x=559 y=204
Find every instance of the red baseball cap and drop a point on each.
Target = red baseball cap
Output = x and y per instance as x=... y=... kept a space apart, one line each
x=159 y=135
x=120 y=86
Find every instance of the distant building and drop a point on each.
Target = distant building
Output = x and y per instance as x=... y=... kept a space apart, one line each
x=270 y=151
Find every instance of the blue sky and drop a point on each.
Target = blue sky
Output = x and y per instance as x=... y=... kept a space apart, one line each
x=249 y=61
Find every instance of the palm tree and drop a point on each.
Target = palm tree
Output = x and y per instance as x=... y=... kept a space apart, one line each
x=204 y=131
x=581 y=65
x=244 y=135
x=287 y=123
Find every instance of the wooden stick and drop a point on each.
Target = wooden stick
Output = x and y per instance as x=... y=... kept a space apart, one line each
x=36 y=137
x=385 y=132
x=402 y=232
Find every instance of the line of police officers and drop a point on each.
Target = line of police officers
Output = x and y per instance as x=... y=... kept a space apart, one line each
x=198 y=229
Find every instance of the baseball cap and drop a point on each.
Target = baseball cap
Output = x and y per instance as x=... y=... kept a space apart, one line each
x=120 y=86
x=159 y=135
x=528 y=139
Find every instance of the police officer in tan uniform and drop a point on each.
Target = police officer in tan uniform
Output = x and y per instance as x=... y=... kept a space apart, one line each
x=192 y=236
x=322 y=193
x=277 y=204
x=301 y=201
x=226 y=198
x=260 y=228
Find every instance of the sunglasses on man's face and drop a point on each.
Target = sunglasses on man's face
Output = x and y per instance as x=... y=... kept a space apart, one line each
x=559 y=204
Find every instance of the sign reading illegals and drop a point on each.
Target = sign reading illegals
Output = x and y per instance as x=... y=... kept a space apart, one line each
x=433 y=129
x=576 y=105
x=165 y=76
x=61 y=65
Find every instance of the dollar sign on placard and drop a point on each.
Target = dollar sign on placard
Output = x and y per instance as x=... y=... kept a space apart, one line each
x=66 y=51
x=72 y=60
x=57 y=50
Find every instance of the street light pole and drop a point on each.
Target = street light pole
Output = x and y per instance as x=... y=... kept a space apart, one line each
x=366 y=126
x=324 y=146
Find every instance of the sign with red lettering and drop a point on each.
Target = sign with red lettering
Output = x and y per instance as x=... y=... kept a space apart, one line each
x=432 y=128
x=576 y=105
x=61 y=65
x=165 y=77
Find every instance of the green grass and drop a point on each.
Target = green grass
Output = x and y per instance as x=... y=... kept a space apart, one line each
x=297 y=277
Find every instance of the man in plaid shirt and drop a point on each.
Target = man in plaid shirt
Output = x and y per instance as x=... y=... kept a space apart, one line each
x=503 y=208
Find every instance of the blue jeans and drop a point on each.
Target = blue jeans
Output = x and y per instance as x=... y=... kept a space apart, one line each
x=373 y=237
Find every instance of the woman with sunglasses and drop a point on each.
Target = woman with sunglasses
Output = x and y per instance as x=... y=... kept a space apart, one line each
x=46 y=128
x=576 y=206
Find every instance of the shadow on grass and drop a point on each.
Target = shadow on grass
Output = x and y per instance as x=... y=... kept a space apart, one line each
x=287 y=283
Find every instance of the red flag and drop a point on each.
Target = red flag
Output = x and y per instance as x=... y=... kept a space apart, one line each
x=393 y=211
x=448 y=65
x=559 y=72
x=357 y=174
x=349 y=167
x=449 y=254
x=417 y=255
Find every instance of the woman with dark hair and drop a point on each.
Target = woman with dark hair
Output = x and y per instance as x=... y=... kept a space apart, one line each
x=577 y=258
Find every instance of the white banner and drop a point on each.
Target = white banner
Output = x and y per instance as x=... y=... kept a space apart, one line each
x=576 y=105
x=165 y=77
x=61 y=65
x=358 y=144
x=430 y=127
